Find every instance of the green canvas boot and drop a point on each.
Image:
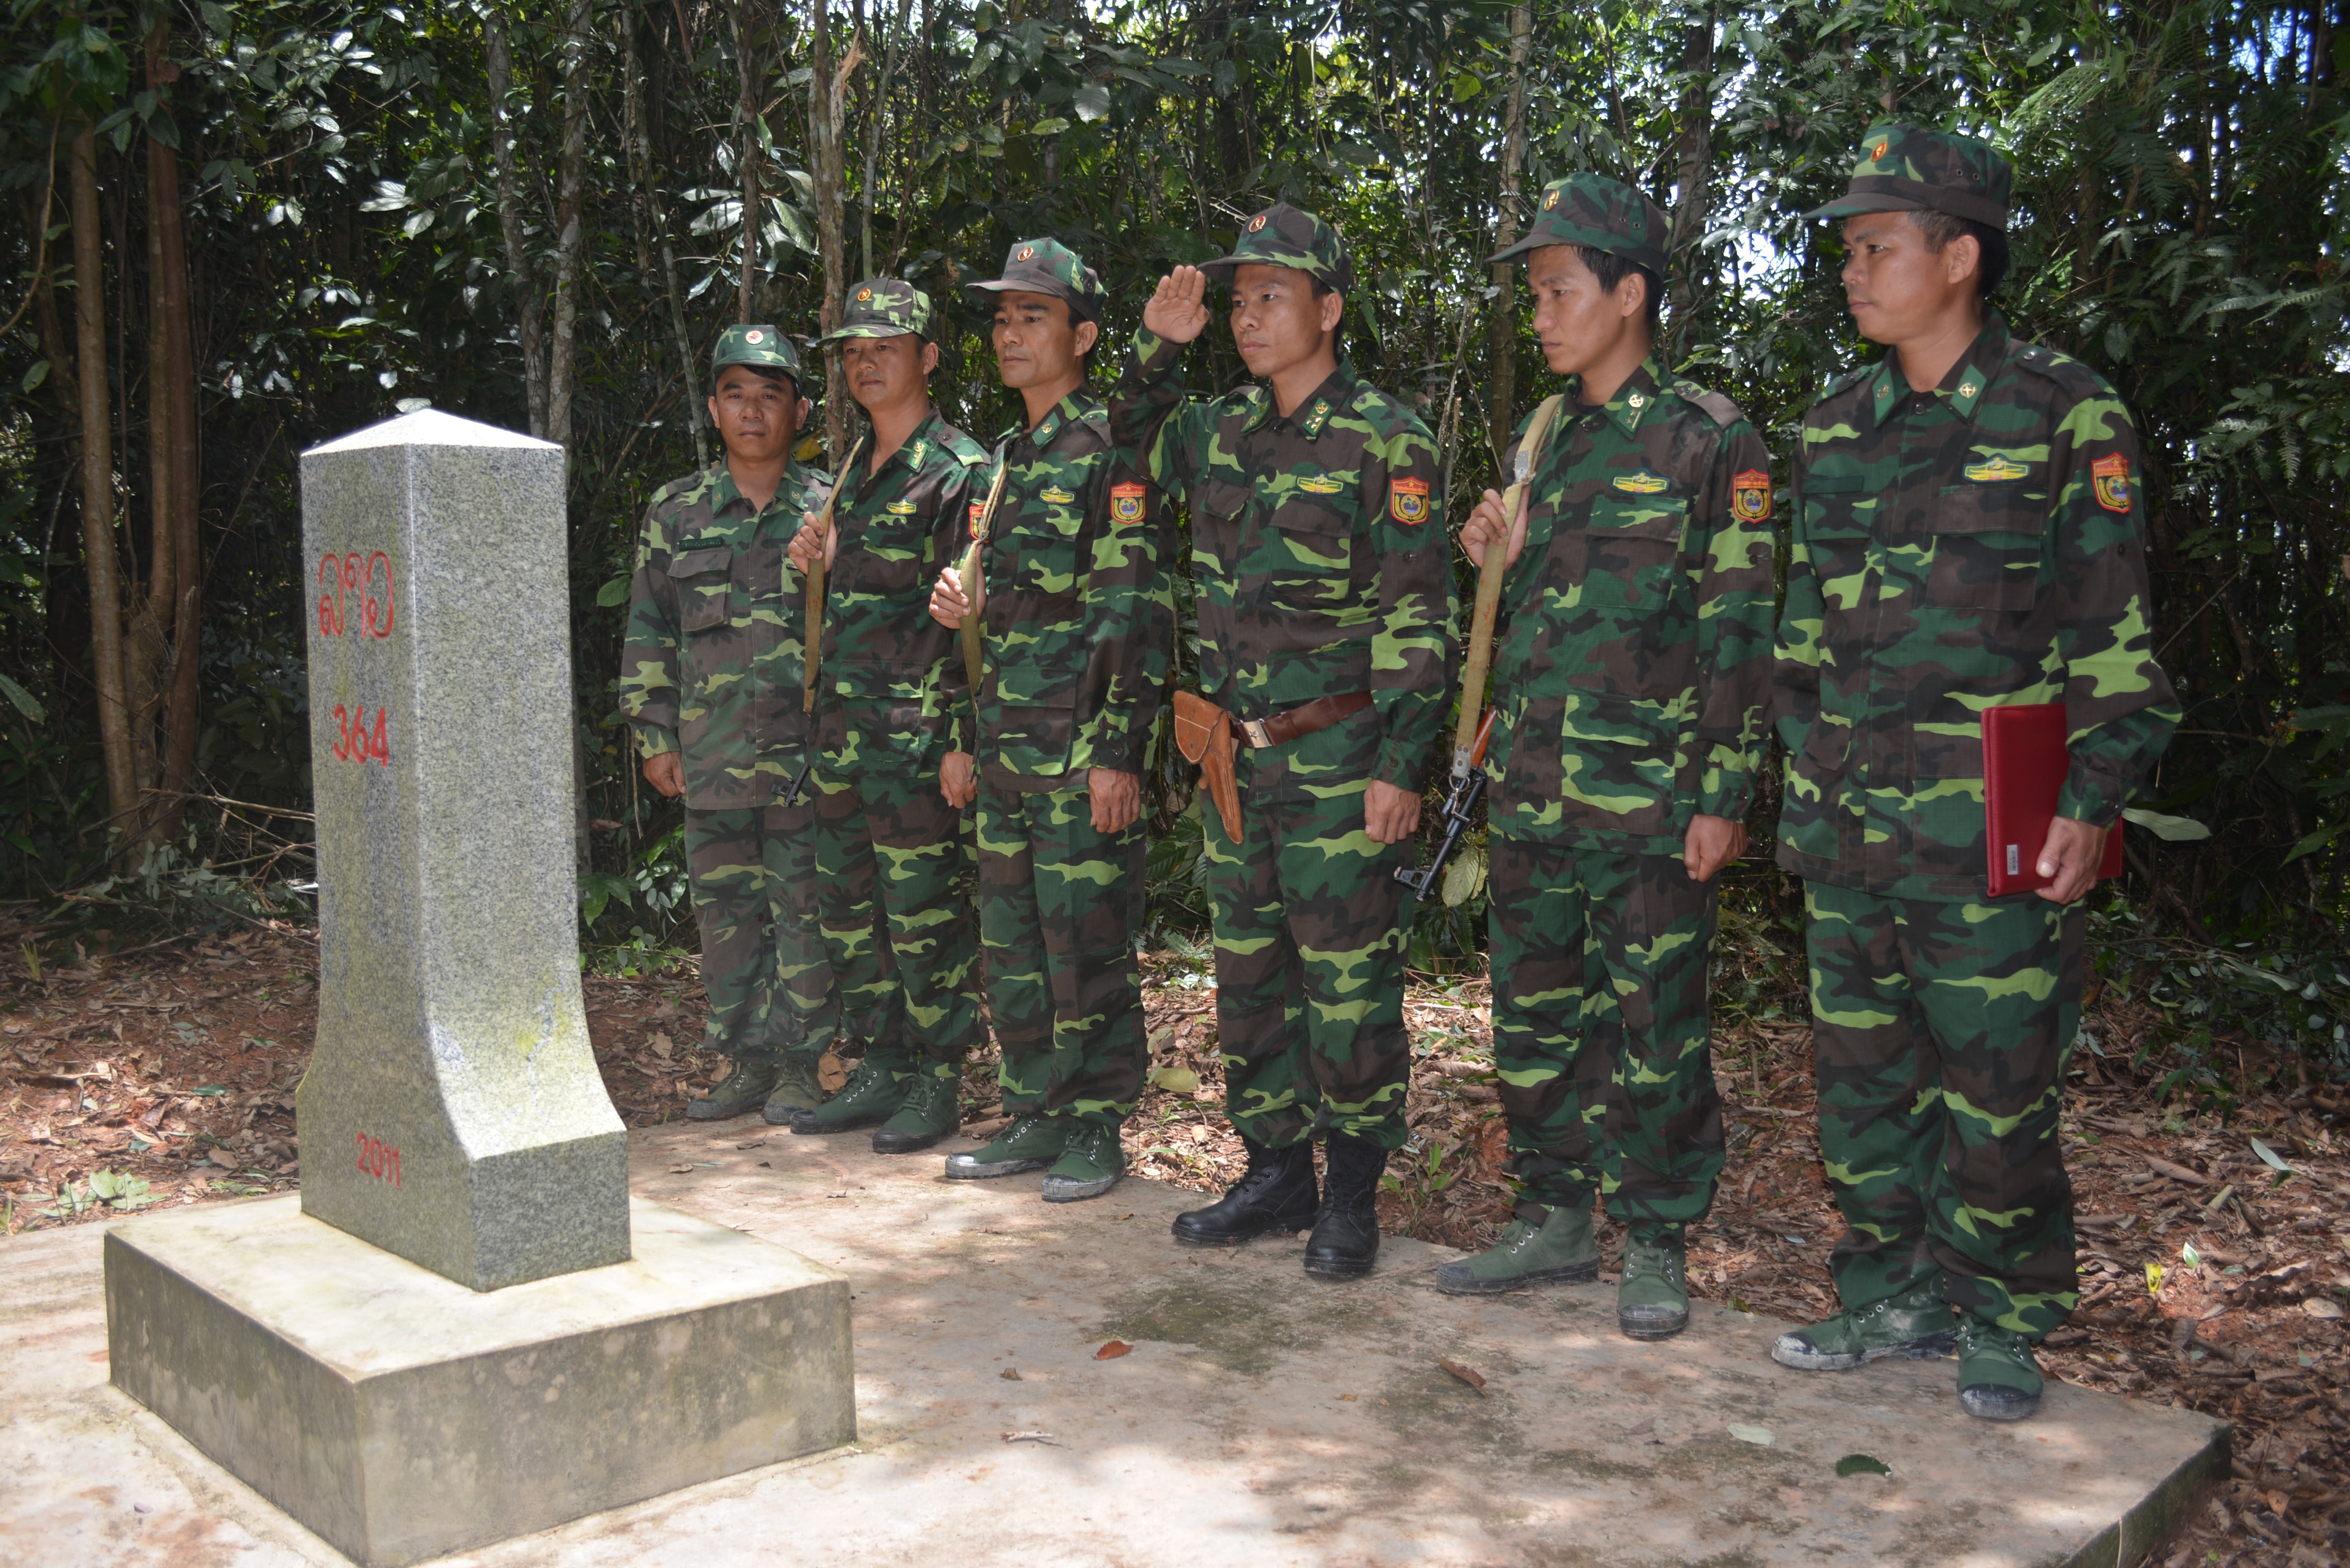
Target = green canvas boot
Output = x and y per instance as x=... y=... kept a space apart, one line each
x=1652 y=1293
x=1558 y=1251
x=1089 y=1166
x=744 y=1087
x=1031 y=1142
x=928 y=1113
x=1915 y=1326
x=871 y=1096
x=796 y=1089
x=1999 y=1375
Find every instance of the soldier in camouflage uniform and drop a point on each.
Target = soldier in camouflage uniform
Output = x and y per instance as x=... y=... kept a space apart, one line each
x=1076 y=623
x=1326 y=630
x=710 y=683
x=1631 y=687
x=1968 y=533
x=890 y=777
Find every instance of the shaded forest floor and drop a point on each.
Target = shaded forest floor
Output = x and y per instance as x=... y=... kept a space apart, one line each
x=166 y=1075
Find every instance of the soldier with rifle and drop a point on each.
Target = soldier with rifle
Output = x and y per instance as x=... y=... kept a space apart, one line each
x=1326 y=625
x=1632 y=562
x=1063 y=602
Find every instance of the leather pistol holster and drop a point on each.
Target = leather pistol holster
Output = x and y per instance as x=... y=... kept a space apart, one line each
x=1203 y=733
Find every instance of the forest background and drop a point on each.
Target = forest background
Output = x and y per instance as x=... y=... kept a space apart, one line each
x=234 y=230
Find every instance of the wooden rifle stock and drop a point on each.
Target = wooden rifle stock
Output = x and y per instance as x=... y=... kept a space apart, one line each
x=815 y=618
x=973 y=656
x=1467 y=735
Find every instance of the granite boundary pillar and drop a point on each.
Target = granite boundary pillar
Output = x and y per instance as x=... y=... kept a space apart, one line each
x=453 y=1113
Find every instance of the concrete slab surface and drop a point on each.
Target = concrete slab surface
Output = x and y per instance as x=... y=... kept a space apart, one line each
x=1260 y=1418
x=403 y=1416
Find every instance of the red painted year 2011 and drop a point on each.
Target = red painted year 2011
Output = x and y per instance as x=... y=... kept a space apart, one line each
x=378 y=1160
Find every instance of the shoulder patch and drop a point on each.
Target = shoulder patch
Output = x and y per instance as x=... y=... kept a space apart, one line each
x=1750 y=495
x=1408 y=501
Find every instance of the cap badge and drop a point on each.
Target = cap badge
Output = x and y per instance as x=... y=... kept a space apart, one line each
x=1256 y=223
x=863 y=297
x=1879 y=151
x=1026 y=251
x=1550 y=200
x=755 y=335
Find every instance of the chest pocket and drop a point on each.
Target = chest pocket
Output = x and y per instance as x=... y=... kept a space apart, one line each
x=1307 y=550
x=1988 y=541
x=1630 y=546
x=1838 y=520
x=1040 y=543
x=705 y=588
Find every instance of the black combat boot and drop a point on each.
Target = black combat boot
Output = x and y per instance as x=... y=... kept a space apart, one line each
x=1274 y=1193
x=1346 y=1239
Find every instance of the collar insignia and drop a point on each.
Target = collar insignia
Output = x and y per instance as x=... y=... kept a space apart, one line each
x=1968 y=388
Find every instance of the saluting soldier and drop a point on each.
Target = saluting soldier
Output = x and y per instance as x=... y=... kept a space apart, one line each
x=710 y=680
x=891 y=775
x=1968 y=533
x=1631 y=688
x=1073 y=598
x=1326 y=628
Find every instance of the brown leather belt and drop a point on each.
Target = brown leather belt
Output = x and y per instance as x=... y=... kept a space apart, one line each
x=1301 y=720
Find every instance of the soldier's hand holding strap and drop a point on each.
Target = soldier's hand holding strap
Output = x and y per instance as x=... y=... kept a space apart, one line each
x=2069 y=859
x=948 y=606
x=1178 y=311
x=802 y=549
x=1116 y=798
x=1486 y=526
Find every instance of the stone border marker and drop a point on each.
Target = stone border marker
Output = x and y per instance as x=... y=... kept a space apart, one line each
x=453 y=1113
x=448 y=1338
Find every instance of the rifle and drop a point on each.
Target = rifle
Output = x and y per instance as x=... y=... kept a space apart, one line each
x=814 y=649
x=1469 y=736
x=1468 y=788
x=973 y=656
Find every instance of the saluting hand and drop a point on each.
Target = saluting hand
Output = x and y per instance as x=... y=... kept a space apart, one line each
x=948 y=606
x=803 y=547
x=1488 y=525
x=1178 y=310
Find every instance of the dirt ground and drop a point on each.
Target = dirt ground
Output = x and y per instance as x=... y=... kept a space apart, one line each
x=166 y=1075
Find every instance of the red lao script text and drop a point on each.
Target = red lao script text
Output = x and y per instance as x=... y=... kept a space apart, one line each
x=378 y=1160
x=358 y=598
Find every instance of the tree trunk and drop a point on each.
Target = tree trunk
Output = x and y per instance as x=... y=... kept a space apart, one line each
x=892 y=53
x=1694 y=177
x=98 y=482
x=825 y=155
x=1502 y=325
x=640 y=163
x=570 y=230
x=518 y=268
x=746 y=161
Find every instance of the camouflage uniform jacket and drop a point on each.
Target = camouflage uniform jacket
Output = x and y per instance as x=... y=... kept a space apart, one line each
x=712 y=661
x=1632 y=673
x=1977 y=544
x=1079 y=612
x=890 y=681
x=1319 y=550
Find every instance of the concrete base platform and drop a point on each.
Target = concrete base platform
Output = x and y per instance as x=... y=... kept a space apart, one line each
x=402 y=1416
x=1260 y=1418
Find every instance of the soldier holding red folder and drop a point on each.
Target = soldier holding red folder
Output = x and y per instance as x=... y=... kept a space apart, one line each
x=1968 y=535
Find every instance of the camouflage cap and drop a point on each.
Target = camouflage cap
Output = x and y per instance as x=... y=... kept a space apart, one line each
x=1909 y=169
x=1281 y=235
x=882 y=308
x=1603 y=214
x=762 y=344
x=1048 y=266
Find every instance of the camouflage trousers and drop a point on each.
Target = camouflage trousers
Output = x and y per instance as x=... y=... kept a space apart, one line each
x=1601 y=1031
x=894 y=902
x=1310 y=938
x=762 y=962
x=1059 y=906
x=1942 y=1032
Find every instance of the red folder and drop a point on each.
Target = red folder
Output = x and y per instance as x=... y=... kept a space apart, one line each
x=2025 y=764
